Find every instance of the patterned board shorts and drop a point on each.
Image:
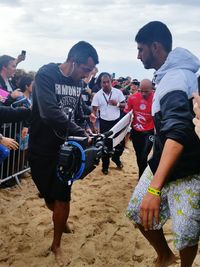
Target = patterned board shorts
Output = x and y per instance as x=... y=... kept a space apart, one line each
x=180 y=200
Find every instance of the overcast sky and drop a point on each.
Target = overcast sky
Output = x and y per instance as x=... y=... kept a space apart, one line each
x=48 y=29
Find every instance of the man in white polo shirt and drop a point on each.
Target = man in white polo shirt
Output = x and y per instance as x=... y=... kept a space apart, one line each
x=109 y=101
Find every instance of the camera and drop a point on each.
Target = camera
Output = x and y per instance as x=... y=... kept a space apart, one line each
x=76 y=160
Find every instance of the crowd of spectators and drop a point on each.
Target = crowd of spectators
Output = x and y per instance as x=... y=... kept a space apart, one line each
x=16 y=96
x=102 y=97
x=15 y=106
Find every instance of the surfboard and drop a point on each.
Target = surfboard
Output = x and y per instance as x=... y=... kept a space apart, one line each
x=121 y=128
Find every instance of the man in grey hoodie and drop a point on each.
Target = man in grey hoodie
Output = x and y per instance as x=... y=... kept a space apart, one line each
x=170 y=185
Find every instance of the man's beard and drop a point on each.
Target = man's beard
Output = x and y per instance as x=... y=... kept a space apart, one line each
x=148 y=64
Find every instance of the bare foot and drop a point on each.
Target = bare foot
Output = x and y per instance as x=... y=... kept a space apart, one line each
x=166 y=260
x=68 y=230
x=59 y=257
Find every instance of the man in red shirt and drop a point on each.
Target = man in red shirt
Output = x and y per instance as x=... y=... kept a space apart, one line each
x=142 y=126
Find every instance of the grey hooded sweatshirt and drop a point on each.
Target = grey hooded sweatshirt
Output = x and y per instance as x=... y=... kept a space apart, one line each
x=172 y=111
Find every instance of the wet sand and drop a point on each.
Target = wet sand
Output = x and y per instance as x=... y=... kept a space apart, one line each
x=103 y=236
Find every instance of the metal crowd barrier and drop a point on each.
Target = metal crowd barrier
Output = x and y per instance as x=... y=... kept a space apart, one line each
x=16 y=163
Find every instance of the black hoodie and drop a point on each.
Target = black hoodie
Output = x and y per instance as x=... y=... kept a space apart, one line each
x=55 y=101
x=9 y=114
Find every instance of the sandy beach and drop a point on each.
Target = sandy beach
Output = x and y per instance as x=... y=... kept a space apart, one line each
x=103 y=236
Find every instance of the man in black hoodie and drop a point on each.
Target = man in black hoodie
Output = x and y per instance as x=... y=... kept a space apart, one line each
x=56 y=98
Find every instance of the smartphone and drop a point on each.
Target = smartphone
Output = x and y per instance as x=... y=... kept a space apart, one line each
x=23 y=53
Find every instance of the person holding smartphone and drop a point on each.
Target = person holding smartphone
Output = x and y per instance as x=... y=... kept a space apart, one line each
x=21 y=57
x=7 y=70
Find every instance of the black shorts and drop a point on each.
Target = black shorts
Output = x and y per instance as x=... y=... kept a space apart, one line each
x=43 y=170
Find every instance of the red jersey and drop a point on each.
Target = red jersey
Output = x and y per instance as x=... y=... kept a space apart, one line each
x=142 y=120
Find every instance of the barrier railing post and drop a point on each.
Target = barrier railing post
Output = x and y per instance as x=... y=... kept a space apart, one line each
x=16 y=163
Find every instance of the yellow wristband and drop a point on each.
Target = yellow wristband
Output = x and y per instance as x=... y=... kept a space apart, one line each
x=154 y=192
